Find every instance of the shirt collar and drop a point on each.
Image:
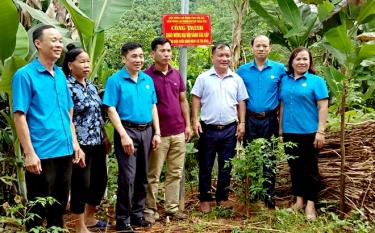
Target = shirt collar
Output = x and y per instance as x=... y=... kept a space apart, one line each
x=212 y=71
x=267 y=64
x=125 y=74
x=304 y=76
x=73 y=80
x=154 y=70
x=40 y=67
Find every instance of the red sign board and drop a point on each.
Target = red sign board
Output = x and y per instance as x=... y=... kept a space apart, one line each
x=187 y=29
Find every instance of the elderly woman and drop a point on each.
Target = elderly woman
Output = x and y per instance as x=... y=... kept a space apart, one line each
x=89 y=182
x=303 y=116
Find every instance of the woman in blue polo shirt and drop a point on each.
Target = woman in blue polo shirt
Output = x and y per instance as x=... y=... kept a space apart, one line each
x=88 y=183
x=303 y=116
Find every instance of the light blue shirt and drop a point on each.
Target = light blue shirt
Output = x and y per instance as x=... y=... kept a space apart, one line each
x=133 y=100
x=299 y=97
x=219 y=96
x=45 y=100
x=262 y=86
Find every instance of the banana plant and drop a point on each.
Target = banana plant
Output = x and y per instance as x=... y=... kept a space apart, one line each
x=349 y=54
x=92 y=18
x=293 y=26
x=14 y=48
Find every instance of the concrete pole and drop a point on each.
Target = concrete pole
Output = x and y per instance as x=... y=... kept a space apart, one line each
x=182 y=52
x=182 y=57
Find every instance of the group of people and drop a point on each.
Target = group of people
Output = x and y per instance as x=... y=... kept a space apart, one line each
x=58 y=113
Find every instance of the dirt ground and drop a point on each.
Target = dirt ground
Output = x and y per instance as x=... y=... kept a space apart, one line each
x=218 y=220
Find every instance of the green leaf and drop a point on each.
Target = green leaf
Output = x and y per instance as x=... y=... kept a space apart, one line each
x=339 y=39
x=22 y=44
x=97 y=47
x=105 y=13
x=369 y=92
x=290 y=12
x=8 y=24
x=82 y=22
x=296 y=31
x=278 y=38
x=258 y=8
x=42 y=17
x=366 y=51
x=324 y=9
x=340 y=56
x=11 y=65
x=309 y=22
x=334 y=80
x=366 y=12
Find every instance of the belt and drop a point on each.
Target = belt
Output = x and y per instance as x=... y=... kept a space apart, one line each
x=218 y=127
x=261 y=115
x=136 y=126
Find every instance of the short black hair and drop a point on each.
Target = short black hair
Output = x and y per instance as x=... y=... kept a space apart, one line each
x=37 y=34
x=70 y=56
x=129 y=46
x=159 y=41
x=219 y=45
x=252 y=41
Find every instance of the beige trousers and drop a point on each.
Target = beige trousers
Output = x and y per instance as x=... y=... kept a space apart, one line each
x=171 y=151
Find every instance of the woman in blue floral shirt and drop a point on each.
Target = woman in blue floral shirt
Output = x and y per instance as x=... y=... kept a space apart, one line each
x=88 y=183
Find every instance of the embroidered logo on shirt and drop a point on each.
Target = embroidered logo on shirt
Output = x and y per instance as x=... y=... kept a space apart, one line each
x=147 y=86
x=304 y=84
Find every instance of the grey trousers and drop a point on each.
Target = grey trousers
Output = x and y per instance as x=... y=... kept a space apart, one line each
x=132 y=175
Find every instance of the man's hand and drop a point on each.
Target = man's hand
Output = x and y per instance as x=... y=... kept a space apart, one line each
x=127 y=144
x=33 y=164
x=188 y=133
x=319 y=140
x=197 y=128
x=156 y=140
x=240 y=131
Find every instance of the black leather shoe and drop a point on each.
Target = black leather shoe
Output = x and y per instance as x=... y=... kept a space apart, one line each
x=141 y=222
x=270 y=204
x=127 y=228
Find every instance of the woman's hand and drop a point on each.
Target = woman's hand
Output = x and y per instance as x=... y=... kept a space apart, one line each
x=319 y=140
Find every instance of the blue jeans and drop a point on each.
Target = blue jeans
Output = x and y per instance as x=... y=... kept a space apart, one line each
x=222 y=142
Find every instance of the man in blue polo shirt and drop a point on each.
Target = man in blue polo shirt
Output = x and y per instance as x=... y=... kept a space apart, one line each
x=41 y=105
x=131 y=100
x=262 y=79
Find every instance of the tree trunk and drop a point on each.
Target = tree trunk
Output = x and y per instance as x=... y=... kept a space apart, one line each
x=239 y=8
x=342 y=146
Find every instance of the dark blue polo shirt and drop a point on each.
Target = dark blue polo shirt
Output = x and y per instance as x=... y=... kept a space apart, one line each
x=299 y=97
x=262 y=86
x=133 y=100
x=45 y=100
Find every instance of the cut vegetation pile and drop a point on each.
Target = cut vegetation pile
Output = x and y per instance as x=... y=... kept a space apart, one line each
x=360 y=169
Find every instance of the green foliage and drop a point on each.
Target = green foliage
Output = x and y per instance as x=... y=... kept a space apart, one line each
x=8 y=24
x=250 y=162
x=117 y=36
x=91 y=22
x=17 y=215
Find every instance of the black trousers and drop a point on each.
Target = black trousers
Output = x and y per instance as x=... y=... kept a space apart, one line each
x=304 y=166
x=263 y=128
x=89 y=183
x=54 y=181
x=211 y=142
x=132 y=175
